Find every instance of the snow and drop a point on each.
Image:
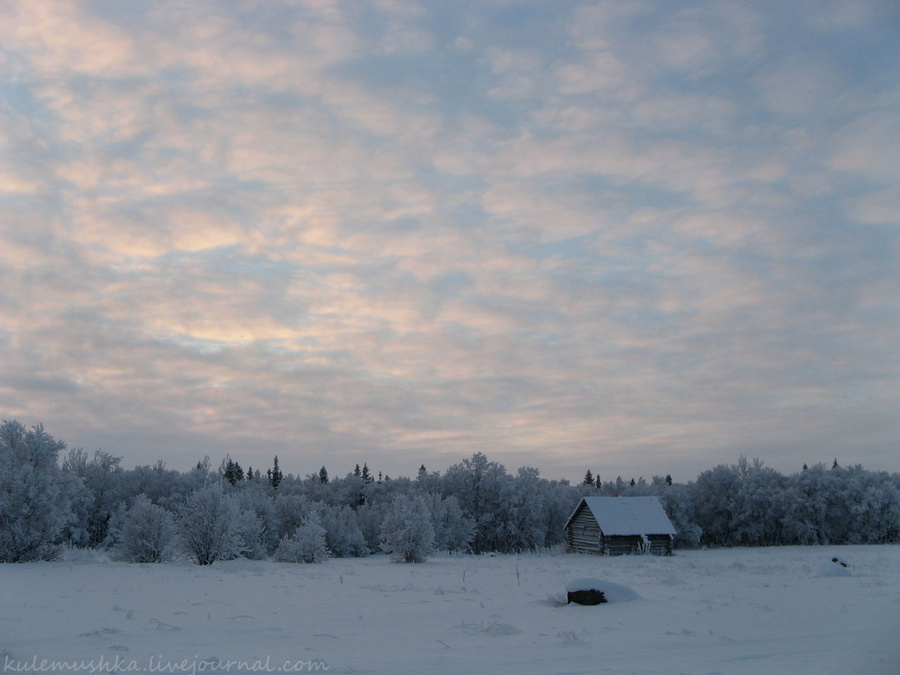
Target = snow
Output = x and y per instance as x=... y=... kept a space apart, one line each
x=834 y=567
x=728 y=611
x=629 y=515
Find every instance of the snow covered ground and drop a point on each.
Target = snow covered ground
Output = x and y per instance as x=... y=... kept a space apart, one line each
x=767 y=610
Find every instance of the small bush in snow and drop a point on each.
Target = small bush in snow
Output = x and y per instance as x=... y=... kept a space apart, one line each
x=407 y=533
x=148 y=533
x=306 y=545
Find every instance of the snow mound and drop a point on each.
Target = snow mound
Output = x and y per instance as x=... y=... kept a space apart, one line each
x=834 y=567
x=611 y=591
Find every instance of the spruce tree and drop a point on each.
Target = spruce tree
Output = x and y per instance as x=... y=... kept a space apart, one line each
x=231 y=470
x=588 y=478
x=275 y=475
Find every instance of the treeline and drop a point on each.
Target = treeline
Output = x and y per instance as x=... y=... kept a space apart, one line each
x=51 y=497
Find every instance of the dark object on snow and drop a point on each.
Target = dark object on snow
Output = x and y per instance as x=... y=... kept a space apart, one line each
x=589 y=597
x=617 y=525
x=589 y=591
x=834 y=567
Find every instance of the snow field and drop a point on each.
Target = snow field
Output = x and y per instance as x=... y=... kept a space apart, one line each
x=729 y=611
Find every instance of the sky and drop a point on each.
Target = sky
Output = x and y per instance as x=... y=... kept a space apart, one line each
x=633 y=237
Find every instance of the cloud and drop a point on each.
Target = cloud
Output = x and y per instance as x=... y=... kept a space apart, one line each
x=877 y=206
x=800 y=86
x=605 y=234
x=862 y=146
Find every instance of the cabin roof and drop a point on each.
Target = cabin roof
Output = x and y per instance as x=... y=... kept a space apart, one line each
x=624 y=516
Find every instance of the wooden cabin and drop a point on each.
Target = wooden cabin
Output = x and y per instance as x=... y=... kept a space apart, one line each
x=619 y=525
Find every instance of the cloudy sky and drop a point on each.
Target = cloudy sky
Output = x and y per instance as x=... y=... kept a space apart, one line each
x=636 y=237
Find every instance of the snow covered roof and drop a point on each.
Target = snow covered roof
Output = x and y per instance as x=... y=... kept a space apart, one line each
x=627 y=515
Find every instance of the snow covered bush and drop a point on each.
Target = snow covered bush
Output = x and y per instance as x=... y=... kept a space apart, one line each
x=342 y=533
x=260 y=536
x=34 y=494
x=290 y=512
x=370 y=517
x=305 y=545
x=476 y=483
x=250 y=532
x=148 y=534
x=407 y=533
x=676 y=503
x=209 y=526
x=97 y=497
x=453 y=529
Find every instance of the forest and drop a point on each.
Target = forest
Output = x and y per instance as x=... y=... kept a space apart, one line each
x=52 y=497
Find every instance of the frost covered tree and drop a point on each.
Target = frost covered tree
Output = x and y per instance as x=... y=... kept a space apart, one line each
x=290 y=512
x=251 y=531
x=306 y=545
x=476 y=483
x=675 y=501
x=406 y=532
x=209 y=526
x=453 y=529
x=148 y=534
x=342 y=532
x=518 y=523
x=349 y=490
x=96 y=499
x=757 y=521
x=803 y=505
x=713 y=499
x=34 y=493
x=370 y=517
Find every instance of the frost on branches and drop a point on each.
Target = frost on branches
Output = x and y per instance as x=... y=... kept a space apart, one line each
x=406 y=532
x=305 y=545
x=34 y=494
x=148 y=534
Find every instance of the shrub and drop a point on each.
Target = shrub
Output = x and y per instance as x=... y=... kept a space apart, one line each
x=35 y=502
x=209 y=526
x=305 y=545
x=148 y=533
x=407 y=533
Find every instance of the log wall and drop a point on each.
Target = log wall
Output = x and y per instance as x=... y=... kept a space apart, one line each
x=585 y=536
x=660 y=544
